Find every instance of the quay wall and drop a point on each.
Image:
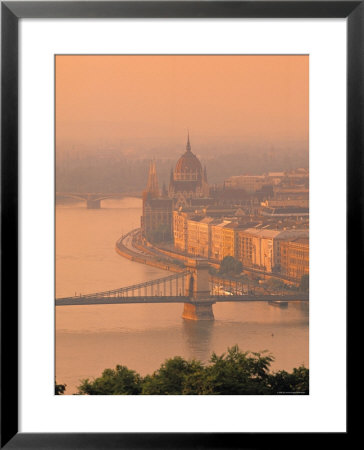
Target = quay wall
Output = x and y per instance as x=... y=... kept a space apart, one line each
x=156 y=259
x=122 y=250
x=215 y=264
x=175 y=255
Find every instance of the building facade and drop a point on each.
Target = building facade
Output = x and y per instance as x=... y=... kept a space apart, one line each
x=156 y=221
x=294 y=257
x=180 y=219
x=255 y=248
x=199 y=236
x=249 y=183
x=222 y=240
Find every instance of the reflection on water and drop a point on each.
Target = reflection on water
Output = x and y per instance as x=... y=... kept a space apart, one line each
x=92 y=338
x=197 y=336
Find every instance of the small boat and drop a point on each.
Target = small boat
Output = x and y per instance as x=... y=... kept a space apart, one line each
x=279 y=303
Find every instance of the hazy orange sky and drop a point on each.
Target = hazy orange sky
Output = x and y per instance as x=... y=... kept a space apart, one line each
x=125 y=98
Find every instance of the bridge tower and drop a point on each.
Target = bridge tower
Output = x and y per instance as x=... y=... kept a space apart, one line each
x=198 y=289
x=92 y=202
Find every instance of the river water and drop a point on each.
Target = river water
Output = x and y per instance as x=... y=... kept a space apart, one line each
x=92 y=338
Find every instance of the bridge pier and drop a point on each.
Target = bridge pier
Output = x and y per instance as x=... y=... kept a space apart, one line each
x=93 y=204
x=198 y=311
x=198 y=290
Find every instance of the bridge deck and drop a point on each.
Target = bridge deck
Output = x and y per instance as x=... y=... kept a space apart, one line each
x=177 y=299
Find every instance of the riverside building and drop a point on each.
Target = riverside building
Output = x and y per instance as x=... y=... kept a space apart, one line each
x=156 y=221
x=269 y=235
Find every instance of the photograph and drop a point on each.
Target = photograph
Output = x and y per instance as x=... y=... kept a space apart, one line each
x=181 y=224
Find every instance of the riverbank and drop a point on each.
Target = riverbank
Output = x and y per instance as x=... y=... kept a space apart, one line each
x=130 y=246
x=127 y=247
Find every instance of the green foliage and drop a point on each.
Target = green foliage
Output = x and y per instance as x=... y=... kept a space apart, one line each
x=244 y=278
x=238 y=373
x=305 y=283
x=59 y=389
x=232 y=373
x=212 y=271
x=120 y=381
x=284 y=382
x=170 y=378
x=275 y=284
x=230 y=265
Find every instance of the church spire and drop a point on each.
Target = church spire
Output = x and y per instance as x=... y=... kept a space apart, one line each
x=188 y=146
x=152 y=186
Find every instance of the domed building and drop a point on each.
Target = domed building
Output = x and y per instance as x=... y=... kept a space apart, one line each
x=188 y=180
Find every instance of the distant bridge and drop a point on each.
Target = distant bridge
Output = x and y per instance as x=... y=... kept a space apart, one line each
x=93 y=199
x=194 y=287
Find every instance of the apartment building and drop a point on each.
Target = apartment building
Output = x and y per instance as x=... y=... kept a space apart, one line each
x=294 y=257
x=199 y=236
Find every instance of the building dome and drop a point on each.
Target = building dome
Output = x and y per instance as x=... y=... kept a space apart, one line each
x=188 y=162
x=188 y=167
x=188 y=180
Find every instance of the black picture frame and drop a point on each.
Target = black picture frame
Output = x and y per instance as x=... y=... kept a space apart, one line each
x=11 y=12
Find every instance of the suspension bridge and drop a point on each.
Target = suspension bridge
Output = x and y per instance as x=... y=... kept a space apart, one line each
x=195 y=288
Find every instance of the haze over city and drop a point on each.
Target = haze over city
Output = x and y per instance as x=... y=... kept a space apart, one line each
x=146 y=103
x=115 y=113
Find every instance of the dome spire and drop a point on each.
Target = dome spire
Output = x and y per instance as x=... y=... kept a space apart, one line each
x=188 y=146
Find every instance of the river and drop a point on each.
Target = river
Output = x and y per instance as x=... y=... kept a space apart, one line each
x=92 y=338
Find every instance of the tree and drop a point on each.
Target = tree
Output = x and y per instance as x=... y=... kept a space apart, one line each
x=238 y=373
x=195 y=383
x=120 y=381
x=284 y=382
x=170 y=379
x=232 y=373
x=275 y=284
x=230 y=265
x=59 y=389
x=305 y=283
x=212 y=271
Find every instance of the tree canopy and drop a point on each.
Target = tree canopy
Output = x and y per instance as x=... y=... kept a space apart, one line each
x=232 y=373
x=59 y=389
x=275 y=284
x=230 y=265
x=118 y=381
